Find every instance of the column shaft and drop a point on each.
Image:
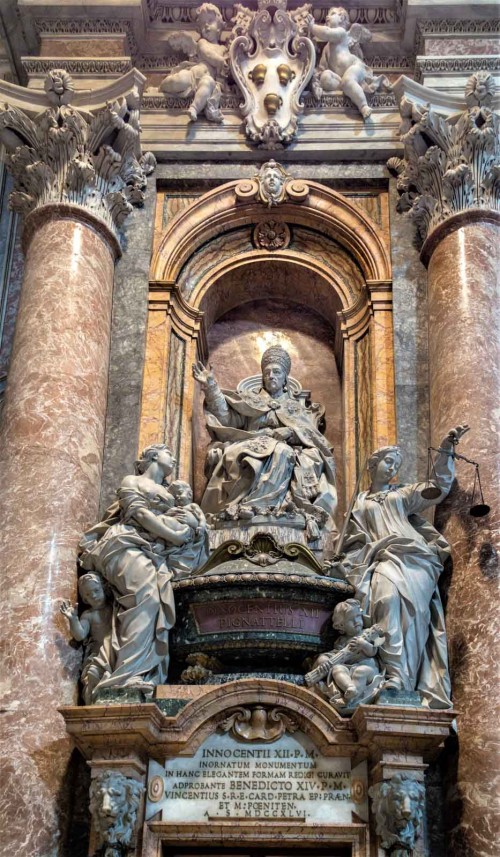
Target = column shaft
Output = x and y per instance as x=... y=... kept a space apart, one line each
x=464 y=360
x=51 y=446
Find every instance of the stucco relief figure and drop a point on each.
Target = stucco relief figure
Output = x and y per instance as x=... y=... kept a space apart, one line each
x=130 y=550
x=351 y=672
x=201 y=76
x=93 y=628
x=393 y=558
x=341 y=65
x=268 y=456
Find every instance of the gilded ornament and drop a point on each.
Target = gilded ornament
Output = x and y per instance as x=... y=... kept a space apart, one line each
x=258 y=74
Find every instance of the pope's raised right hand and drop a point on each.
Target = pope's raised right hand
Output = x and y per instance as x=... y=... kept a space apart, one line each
x=203 y=374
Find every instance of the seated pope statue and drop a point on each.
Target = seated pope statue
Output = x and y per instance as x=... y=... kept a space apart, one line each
x=267 y=457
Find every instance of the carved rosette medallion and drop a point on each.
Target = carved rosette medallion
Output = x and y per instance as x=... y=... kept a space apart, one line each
x=271 y=235
x=271 y=64
x=258 y=724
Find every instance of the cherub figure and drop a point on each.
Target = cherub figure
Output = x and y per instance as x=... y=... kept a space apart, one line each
x=341 y=65
x=93 y=628
x=200 y=76
x=193 y=553
x=352 y=672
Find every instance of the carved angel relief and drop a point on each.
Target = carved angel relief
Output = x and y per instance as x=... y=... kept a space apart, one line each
x=342 y=65
x=272 y=64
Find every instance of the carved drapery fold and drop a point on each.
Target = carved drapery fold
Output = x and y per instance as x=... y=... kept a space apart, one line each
x=72 y=156
x=450 y=165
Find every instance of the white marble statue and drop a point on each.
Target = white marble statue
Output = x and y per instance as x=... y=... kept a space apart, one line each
x=93 y=628
x=268 y=456
x=114 y=802
x=351 y=670
x=130 y=549
x=200 y=77
x=393 y=558
x=341 y=65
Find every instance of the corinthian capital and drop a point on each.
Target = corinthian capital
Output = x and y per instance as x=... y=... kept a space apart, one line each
x=451 y=158
x=61 y=150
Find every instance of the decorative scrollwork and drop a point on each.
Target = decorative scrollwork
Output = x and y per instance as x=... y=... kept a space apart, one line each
x=258 y=724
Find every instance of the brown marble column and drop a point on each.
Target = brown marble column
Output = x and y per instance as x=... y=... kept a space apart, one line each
x=464 y=363
x=74 y=190
x=51 y=445
x=448 y=183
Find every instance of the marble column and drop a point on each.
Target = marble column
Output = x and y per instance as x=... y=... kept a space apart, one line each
x=464 y=372
x=449 y=186
x=51 y=438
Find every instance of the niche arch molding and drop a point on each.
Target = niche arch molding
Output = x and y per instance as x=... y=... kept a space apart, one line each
x=356 y=300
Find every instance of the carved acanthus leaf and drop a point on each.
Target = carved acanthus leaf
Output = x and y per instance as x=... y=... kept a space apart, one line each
x=450 y=164
x=64 y=155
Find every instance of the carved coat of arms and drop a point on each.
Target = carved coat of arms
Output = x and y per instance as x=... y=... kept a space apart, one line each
x=272 y=63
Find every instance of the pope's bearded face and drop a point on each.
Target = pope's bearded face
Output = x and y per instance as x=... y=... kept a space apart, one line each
x=274 y=378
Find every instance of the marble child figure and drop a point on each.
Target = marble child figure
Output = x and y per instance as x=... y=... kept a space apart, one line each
x=268 y=456
x=341 y=65
x=93 y=628
x=352 y=672
x=394 y=557
x=194 y=553
x=199 y=77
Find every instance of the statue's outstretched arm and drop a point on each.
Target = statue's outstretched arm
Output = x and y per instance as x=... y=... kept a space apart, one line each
x=214 y=398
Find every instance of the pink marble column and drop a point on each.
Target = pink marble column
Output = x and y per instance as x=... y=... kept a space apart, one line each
x=464 y=357
x=51 y=447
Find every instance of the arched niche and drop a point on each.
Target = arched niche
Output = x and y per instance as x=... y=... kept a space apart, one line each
x=336 y=264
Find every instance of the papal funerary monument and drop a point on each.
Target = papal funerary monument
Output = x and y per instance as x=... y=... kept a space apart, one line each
x=249 y=428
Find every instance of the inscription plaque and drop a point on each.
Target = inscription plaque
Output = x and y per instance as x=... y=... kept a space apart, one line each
x=288 y=779
x=260 y=615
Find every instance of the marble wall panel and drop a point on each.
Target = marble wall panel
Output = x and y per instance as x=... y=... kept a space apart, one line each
x=175 y=386
x=236 y=342
x=363 y=402
x=462 y=47
x=83 y=46
x=11 y=271
x=410 y=344
x=128 y=342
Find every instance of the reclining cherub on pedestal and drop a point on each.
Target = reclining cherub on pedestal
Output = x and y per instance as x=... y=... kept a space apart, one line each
x=342 y=65
x=352 y=672
x=200 y=76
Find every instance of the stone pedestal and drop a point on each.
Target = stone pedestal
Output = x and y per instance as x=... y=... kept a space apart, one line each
x=254 y=761
x=464 y=361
